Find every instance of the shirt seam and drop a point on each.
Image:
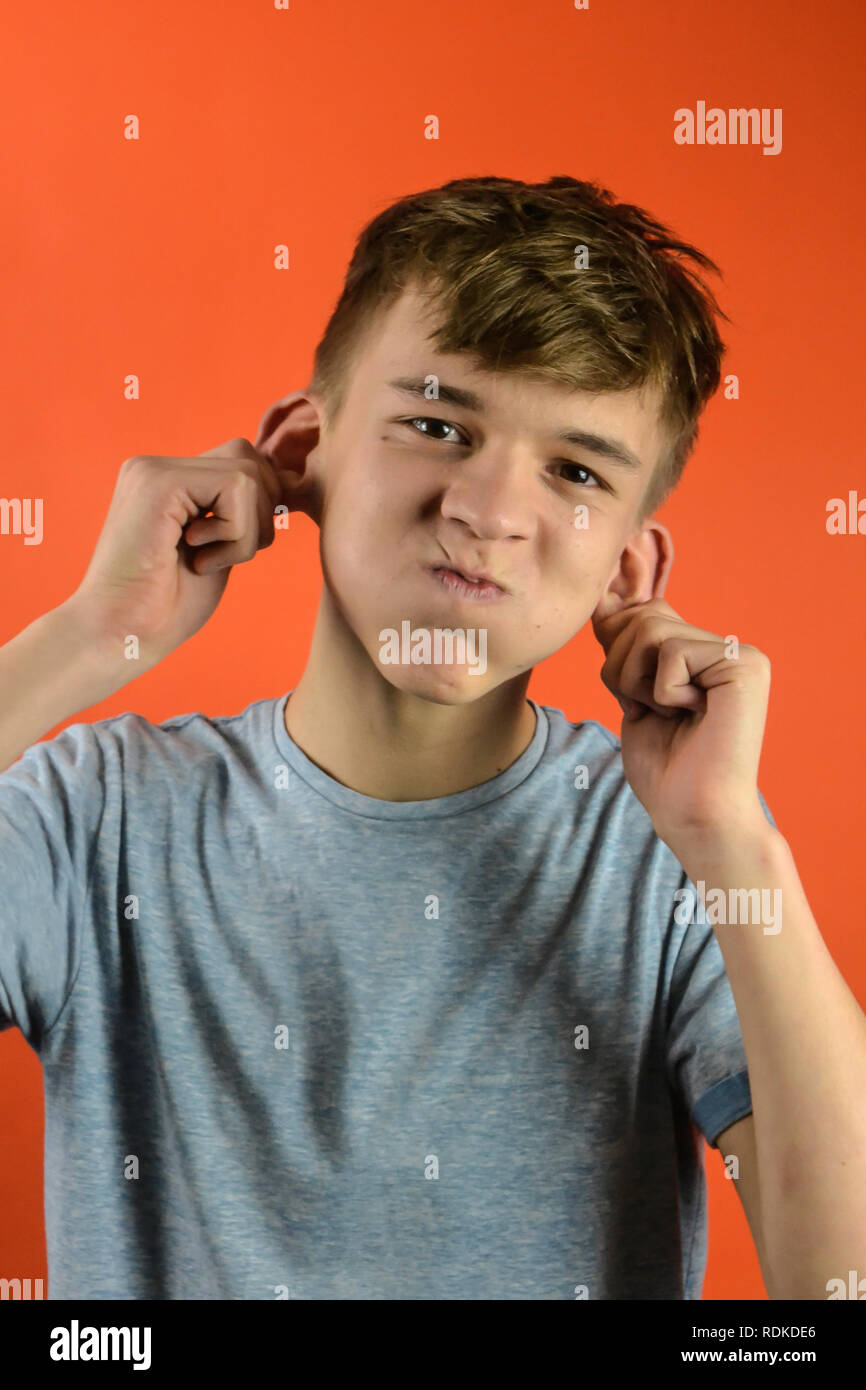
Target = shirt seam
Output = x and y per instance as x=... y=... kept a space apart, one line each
x=404 y=822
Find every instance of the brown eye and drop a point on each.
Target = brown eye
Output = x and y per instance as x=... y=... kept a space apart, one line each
x=579 y=468
x=431 y=420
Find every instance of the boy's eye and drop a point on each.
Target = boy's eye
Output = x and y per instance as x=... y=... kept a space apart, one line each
x=581 y=469
x=427 y=420
x=431 y=420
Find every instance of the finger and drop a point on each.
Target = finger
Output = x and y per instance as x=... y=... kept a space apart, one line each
x=665 y=675
x=269 y=478
x=629 y=670
x=632 y=709
x=638 y=675
x=680 y=666
x=264 y=469
x=631 y=666
x=236 y=448
x=236 y=521
x=646 y=628
x=223 y=525
x=607 y=629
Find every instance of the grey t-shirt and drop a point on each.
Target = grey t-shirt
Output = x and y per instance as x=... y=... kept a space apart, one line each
x=300 y=1042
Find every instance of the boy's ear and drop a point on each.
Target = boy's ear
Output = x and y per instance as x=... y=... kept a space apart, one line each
x=641 y=572
x=288 y=434
x=289 y=429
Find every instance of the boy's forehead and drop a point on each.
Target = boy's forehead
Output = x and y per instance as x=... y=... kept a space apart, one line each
x=406 y=326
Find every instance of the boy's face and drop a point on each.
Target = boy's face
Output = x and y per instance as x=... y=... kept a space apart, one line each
x=490 y=489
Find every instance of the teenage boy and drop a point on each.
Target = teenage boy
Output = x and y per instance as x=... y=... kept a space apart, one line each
x=402 y=985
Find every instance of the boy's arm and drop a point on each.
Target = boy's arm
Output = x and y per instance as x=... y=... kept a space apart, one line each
x=175 y=527
x=805 y=1039
x=53 y=669
x=695 y=707
x=738 y=1141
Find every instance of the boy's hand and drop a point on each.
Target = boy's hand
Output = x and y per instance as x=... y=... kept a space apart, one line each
x=694 y=709
x=160 y=566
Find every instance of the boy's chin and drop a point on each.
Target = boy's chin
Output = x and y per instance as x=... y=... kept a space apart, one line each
x=441 y=685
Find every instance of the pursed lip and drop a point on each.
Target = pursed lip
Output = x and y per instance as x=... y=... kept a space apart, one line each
x=474 y=576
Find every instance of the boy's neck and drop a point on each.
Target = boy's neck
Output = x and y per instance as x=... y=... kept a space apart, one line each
x=393 y=746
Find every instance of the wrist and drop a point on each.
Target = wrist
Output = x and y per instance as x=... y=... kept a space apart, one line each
x=737 y=831
x=728 y=846
x=54 y=669
x=92 y=661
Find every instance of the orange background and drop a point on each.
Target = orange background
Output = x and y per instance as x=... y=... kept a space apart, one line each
x=262 y=126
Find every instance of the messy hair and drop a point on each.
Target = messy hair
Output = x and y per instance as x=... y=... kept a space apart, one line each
x=556 y=280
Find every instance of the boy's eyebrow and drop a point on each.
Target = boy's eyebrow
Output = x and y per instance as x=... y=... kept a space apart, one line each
x=612 y=449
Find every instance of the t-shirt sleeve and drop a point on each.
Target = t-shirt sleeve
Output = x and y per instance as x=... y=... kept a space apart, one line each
x=706 y=1056
x=51 y=804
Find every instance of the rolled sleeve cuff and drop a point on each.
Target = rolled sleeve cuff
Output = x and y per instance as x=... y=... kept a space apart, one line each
x=729 y=1100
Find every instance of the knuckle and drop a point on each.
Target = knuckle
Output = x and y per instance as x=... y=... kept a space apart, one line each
x=755 y=657
x=231 y=450
x=241 y=486
x=653 y=608
x=270 y=482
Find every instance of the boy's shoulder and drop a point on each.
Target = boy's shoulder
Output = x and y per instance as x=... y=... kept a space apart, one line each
x=568 y=730
x=595 y=749
x=133 y=744
x=191 y=726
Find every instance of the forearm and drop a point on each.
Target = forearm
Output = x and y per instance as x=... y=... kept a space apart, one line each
x=51 y=670
x=805 y=1041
